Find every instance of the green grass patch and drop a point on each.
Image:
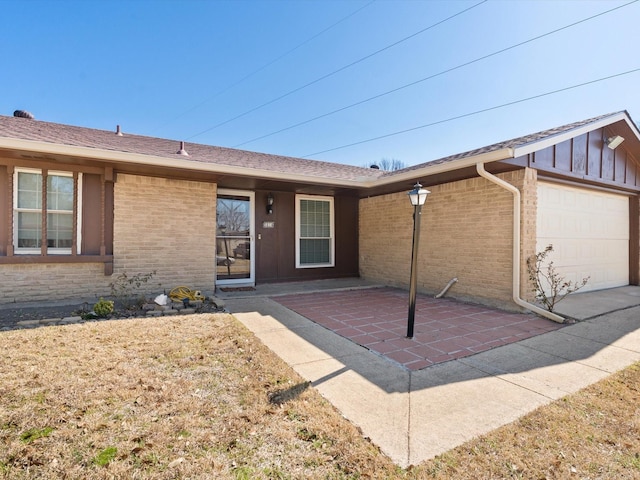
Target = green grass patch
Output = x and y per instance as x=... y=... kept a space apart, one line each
x=35 y=433
x=105 y=456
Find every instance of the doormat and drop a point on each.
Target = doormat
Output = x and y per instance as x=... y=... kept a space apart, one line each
x=237 y=289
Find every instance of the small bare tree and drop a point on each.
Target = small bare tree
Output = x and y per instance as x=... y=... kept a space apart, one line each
x=390 y=164
x=548 y=285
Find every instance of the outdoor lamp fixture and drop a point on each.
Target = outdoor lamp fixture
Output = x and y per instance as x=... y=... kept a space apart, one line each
x=270 y=204
x=613 y=142
x=417 y=196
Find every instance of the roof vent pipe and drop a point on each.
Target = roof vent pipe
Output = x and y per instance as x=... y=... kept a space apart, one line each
x=118 y=131
x=182 y=151
x=23 y=114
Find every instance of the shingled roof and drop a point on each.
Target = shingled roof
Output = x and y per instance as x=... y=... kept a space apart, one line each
x=516 y=143
x=55 y=133
x=109 y=141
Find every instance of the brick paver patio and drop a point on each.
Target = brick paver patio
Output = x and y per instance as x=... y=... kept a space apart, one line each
x=444 y=329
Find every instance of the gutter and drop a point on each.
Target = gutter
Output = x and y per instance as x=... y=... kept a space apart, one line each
x=409 y=175
x=180 y=162
x=516 y=245
x=177 y=162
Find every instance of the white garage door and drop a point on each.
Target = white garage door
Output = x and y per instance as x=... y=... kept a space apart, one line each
x=589 y=231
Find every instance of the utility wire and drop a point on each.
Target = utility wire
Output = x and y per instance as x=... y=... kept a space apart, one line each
x=324 y=77
x=458 y=117
x=266 y=65
x=449 y=70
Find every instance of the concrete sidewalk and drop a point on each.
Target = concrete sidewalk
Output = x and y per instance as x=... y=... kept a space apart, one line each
x=414 y=416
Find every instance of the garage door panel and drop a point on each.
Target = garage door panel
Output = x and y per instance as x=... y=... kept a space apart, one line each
x=599 y=277
x=589 y=231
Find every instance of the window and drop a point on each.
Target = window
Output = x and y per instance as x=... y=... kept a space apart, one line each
x=29 y=211
x=314 y=232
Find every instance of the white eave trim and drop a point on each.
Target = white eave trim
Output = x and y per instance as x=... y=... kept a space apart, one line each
x=157 y=161
x=193 y=165
x=411 y=175
x=436 y=168
x=576 y=132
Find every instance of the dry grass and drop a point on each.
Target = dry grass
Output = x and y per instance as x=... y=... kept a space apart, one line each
x=174 y=397
x=199 y=397
x=593 y=434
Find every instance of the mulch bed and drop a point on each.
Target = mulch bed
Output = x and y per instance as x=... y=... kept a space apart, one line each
x=9 y=316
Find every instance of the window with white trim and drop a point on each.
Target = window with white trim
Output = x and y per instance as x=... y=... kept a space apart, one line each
x=315 y=242
x=29 y=210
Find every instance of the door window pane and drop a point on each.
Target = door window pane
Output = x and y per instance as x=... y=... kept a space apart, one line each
x=233 y=238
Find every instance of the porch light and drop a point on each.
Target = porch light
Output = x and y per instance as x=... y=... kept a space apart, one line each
x=613 y=142
x=417 y=196
x=270 y=204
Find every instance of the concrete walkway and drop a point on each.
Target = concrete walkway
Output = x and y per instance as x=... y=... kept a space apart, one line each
x=415 y=415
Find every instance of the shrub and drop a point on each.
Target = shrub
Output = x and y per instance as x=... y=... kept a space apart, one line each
x=548 y=285
x=103 y=308
x=125 y=289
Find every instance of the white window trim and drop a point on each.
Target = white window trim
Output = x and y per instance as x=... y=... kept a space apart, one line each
x=332 y=236
x=50 y=251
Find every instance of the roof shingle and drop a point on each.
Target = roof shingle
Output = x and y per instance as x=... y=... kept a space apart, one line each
x=34 y=130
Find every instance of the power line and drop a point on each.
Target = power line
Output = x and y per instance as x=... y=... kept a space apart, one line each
x=268 y=64
x=324 y=77
x=458 y=117
x=443 y=72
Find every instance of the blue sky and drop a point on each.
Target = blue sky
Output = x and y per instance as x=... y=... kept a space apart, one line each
x=227 y=72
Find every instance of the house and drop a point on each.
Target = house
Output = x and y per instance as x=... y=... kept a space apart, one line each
x=110 y=202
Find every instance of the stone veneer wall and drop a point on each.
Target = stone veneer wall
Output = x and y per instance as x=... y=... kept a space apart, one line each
x=466 y=232
x=167 y=226
x=159 y=224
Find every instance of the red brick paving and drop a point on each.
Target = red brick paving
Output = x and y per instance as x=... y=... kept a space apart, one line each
x=444 y=329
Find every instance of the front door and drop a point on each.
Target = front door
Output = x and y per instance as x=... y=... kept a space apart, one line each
x=234 y=238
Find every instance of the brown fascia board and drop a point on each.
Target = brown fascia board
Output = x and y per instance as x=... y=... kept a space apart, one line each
x=601 y=122
x=401 y=177
x=508 y=149
x=497 y=152
x=32 y=146
x=179 y=162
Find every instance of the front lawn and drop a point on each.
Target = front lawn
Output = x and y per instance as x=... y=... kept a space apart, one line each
x=200 y=397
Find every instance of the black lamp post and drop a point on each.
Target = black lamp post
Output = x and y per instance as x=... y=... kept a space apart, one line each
x=417 y=196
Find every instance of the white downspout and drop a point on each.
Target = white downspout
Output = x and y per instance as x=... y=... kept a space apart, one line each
x=447 y=287
x=516 y=245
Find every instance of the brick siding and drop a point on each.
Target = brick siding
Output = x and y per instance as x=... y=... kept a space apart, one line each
x=56 y=281
x=466 y=232
x=167 y=226
x=161 y=225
